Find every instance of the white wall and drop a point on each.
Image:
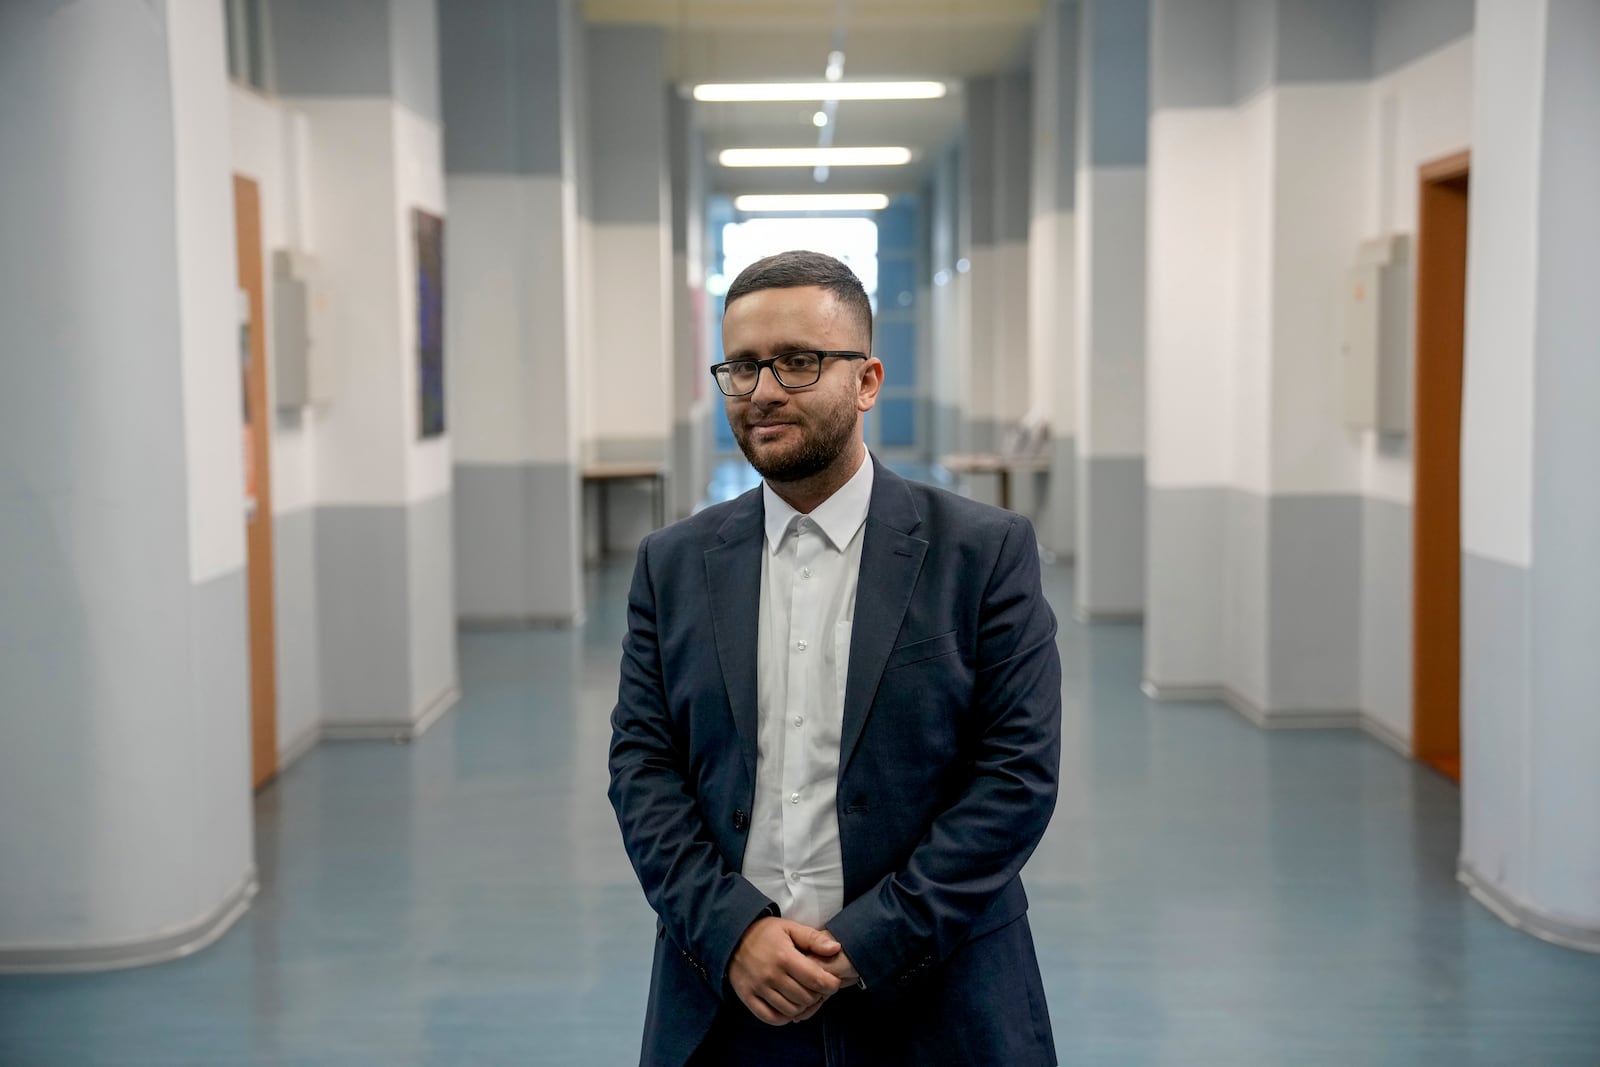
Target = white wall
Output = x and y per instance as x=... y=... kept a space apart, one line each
x=512 y=311
x=1192 y=257
x=360 y=457
x=1419 y=113
x=1502 y=287
x=1319 y=137
x=267 y=140
x=1251 y=429
x=1109 y=270
x=207 y=284
x=418 y=183
x=630 y=383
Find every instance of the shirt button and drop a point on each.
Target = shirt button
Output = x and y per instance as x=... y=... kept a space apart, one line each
x=794 y=798
x=800 y=646
x=798 y=719
x=805 y=572
x=793 y=878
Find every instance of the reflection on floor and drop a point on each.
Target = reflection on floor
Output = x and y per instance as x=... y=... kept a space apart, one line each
x=1208 y=894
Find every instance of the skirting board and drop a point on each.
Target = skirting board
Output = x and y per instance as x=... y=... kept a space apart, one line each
x=1120 y=617
x=299 y=746
x=502 y=623
x=139 y=952
x=1308 y=719
x=399 y=732
x=1520 y=916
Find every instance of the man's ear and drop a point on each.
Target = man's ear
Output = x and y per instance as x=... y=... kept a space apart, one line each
x=871 y=381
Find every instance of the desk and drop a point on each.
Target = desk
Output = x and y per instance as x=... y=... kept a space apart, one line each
x=604 y=475
x=994 y=463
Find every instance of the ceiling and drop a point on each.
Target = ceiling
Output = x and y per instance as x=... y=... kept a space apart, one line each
x=789 y=40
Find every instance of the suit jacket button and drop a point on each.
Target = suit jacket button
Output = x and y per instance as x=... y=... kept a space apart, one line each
x=740 y=820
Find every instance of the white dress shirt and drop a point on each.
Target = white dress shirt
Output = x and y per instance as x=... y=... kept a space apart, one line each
x=808 y=603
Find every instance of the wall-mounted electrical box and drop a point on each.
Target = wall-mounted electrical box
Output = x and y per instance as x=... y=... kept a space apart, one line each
x=300 y=343
x=1377 y=336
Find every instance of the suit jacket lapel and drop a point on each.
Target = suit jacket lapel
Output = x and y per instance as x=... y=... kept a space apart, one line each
x=733 y=577
x=891 y=560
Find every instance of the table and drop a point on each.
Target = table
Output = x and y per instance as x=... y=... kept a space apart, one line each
x=994 y=463
x=604 y=475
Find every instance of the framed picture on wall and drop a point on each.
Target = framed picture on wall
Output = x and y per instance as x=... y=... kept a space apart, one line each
x=429 y=231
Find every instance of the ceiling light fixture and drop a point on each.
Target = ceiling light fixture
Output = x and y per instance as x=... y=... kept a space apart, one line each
x=814 y=157
x=723 y=92
x=811 y=202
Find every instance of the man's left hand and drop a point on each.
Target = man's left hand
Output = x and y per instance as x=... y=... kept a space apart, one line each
x=836 y=963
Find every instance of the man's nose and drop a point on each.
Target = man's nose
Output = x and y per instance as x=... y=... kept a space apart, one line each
x=767 y=391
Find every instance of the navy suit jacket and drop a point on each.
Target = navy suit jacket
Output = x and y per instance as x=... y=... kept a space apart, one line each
x=947 y=774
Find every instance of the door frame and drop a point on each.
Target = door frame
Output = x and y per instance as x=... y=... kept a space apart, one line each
x=258 y=482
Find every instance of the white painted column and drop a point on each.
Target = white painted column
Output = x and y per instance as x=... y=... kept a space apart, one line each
x=124 y=746
x=997 y=154
x=1052 y=265
x=692 y=389
x=1530 y=515
x=628 y=372
x=1193 y=254
x=368 y=84
x=511 y=94
x=1110 y=276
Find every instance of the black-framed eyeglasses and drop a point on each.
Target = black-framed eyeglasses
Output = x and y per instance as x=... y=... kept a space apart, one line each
x=792 y=370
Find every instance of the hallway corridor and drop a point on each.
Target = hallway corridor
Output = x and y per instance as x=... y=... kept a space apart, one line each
x=1208 y=894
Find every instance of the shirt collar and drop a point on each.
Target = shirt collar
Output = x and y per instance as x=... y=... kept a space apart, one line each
x=839 y=517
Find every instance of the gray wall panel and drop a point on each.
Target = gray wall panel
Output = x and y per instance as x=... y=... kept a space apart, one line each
x=323 y=49
x=1406 y=30
x=1246 y=558
x=1116 y=38
x=1059 y=532
x=1255 y=47
x=627 y=124
x=1186 y=587
x=1013 y=158
x=431 y=607
x=363 y=608
x=1495 y=679
x=1314 y=608
x=294 y=579
x=1386 y=576
x=1192 y=54
x=1111 y=535
x=501 y=65
x=215 y=734
x=515 y=527
x=1324 y=41
x=414 y=39
x=978 y=160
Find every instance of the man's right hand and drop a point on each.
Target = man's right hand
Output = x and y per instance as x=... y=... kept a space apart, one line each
x=772 y=973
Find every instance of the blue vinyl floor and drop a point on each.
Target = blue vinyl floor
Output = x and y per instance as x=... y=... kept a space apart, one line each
x=1208 y=894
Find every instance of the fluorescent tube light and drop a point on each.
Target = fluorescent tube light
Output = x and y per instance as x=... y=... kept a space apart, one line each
x=811 y=202
x=723 y=92
x=814 y=157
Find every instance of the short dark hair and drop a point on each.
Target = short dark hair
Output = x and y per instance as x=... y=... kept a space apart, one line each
x=792 y=270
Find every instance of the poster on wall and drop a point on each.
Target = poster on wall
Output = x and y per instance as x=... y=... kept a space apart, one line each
x=430 y=322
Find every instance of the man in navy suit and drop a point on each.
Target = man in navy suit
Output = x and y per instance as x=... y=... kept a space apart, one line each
x=837 y=733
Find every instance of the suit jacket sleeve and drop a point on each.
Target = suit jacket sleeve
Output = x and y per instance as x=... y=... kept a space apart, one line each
x=915 y=917
x=704 y=904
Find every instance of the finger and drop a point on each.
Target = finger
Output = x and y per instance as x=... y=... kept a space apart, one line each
x=794 y=996
x=763 y=1011
x=812 y=975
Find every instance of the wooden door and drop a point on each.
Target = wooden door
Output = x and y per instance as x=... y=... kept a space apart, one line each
x=1441 y=329
x=258 y=483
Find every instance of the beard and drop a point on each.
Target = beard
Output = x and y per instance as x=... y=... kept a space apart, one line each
x=822 y=440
